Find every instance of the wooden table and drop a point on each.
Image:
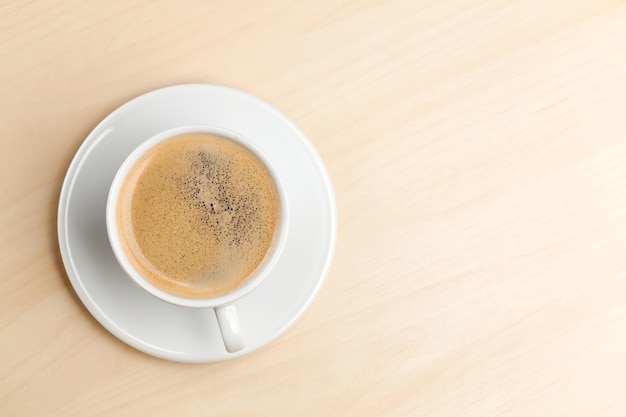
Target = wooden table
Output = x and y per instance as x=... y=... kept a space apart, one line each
x=478 y=155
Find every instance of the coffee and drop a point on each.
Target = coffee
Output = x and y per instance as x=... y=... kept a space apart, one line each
x=197 y=215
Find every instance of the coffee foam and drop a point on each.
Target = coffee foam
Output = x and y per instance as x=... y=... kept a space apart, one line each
x=197 y=215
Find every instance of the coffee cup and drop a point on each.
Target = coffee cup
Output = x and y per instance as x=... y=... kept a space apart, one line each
x=197 y=216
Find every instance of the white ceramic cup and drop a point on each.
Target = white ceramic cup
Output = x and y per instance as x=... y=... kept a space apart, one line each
x=224 y=307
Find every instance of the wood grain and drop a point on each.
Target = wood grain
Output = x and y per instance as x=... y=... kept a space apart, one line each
x=477 y=150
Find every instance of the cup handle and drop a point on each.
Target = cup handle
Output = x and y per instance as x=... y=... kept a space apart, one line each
x=229 y=327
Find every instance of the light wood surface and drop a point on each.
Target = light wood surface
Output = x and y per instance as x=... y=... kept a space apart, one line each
x=478 y=155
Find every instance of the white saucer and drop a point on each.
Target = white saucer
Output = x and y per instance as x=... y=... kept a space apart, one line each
x=178 y=333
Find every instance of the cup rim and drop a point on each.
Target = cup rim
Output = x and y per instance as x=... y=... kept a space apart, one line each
x=113 y=235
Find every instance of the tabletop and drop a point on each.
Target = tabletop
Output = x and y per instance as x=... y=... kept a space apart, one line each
x=477 y=151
